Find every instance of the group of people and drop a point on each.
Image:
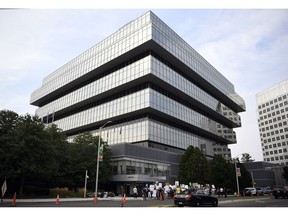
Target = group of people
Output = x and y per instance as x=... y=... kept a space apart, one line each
x=168 y=191
x=155 y=192
x=221 y=192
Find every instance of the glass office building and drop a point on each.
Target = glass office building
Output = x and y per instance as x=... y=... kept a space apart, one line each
x=160 y=94
x=272 y=121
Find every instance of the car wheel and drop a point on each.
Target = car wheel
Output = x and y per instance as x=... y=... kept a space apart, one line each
x=215 y=203
x=180 y=205
x=276 y=197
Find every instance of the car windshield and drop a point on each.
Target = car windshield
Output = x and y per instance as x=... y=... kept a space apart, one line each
x=193 y=191
x=183 y=192
x=199 y=192
x=249 y=189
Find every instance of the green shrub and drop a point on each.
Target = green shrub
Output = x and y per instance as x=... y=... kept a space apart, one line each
x=65 y=192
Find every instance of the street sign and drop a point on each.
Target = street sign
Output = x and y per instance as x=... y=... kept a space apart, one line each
x=238 y=172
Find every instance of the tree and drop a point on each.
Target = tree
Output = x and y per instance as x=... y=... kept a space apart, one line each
x=194 y=167
x=38 y=156
x=28 y=151
x=84 y=151
x=59 y=156
x=246 y=158
x=105 y=168
x=32 y=152
x=245 y=179
x=8 y=121
x=222 y=172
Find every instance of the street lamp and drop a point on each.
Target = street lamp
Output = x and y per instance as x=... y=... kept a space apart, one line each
x=97 y=169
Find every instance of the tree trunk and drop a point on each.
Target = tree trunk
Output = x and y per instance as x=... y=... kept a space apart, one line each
x=21 y=185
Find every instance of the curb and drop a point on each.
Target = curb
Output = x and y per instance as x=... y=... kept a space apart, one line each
x=242 y=200
x=69 y=199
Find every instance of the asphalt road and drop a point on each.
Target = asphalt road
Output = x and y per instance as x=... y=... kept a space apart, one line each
x=269 y=202
x=265 y=201
x=100 y=203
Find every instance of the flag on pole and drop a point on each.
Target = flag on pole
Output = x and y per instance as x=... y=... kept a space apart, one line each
x=4 y=188
x=100 y=158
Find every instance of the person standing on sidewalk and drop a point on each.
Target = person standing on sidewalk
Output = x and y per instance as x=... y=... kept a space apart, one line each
x=135 y=192
x=221 y=192
x=144 y=193
x=154 y=193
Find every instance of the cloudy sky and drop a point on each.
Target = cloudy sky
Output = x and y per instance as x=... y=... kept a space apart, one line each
x=248 y=46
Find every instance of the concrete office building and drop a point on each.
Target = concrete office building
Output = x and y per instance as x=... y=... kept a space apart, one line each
x=159 y=93
x=265 y=173
x=262 y=173
x=272 y=121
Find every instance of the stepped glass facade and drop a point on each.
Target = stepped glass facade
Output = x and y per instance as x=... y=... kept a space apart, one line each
x=159 y=94
x=272 y=121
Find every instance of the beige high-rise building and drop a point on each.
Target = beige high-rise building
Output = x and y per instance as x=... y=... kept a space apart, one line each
x=273 y=123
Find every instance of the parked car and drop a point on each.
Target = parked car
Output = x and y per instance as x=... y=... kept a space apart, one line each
x=101 y=194
x=105 y=194
x=260 y=191
x=195 y=198
x=267 y=190
x=280 y=191
x=250 y=191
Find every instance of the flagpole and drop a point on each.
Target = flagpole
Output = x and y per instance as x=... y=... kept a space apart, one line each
x=86 y=175
x=53 y=115
x=47 y=120
x=3 y=189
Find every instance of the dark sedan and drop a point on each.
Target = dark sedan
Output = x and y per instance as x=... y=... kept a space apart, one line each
x=280 y=191
x=195 y=198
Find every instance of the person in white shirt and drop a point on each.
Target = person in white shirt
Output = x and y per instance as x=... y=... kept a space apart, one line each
x=154 y=194
x=135 y=192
